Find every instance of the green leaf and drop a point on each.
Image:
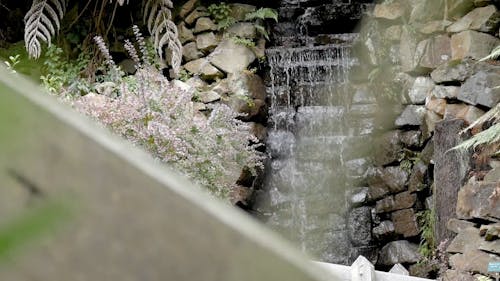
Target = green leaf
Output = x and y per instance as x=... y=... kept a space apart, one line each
x=263 y=13
x=262 y=30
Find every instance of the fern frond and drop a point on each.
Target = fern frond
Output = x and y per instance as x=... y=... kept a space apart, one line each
x=489 y=136
x=42 y=22
x=263 y=13
x=158 y=18
x=495 y=54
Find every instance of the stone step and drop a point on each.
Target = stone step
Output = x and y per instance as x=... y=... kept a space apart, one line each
x=309 y=94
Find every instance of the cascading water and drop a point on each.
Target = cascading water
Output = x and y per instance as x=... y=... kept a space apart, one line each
x=311 y=137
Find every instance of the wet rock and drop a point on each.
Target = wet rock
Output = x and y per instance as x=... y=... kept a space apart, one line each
x=384 y=230
x=484 y=19
x=482 y=88
x=388 y=148
x=242 y=104
x=203 y=68
x=453 y=71
x=400 y=251
x=247 y=84
x=420 y=90
x=187 y=8
x=204 y=24
x=359 y=224
x=363 y=96
x=405 y=223
x=426 y=10
x=356 y=168
x=437 y=106
x=478 y=200
x=242 y=29
x=472 y=44
x=437 y=52
x=358 y=196
x=445 y=92
x=390 y=11
x=412 y=138
x=417 y=178
x=232 y=57
x=258 y=130
x=413 y=115
x=190 y=52
x=206 y=41
x=197 y=13
x=395 y=178
x=408 y=49
x=185 y=34
x=437 y=26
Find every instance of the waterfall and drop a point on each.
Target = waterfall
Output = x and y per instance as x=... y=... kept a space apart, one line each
x=310 y=138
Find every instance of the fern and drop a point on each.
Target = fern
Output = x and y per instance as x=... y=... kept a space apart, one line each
x=262 y=13
x=495 y=54
x=42 y=21
x=158 y=17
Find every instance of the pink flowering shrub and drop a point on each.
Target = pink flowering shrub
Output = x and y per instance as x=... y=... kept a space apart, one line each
x=212 y=149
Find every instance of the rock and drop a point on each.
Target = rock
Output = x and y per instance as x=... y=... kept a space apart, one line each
x=484 y=19
x=430 y=120
x=384 y=230
x=368 y=252
x=462 y=111
x=473 y=261
x=190 y=52
x=458 y=8
x=395 y=178
x=493 y=175
x=185 y=34
x=405 y=223
x=445 y=92
x=490 y=232
x=247 y=84
x=206 y=41
x=398 y=202
x=363 y=96
x=359 y=226
x=453 y=71
x=128 y=66
x=204 y=69
x=437 y=26
x=388 y=148
x=413 y=115
x=239 y=11
x=420 y=90
x=358 y=196
x=371 y=46
x=204 y=24
x=457 y=225
x=429 y=202
x=222 y=87
x=390 y=11
x=408 y=49
x=197 y=83
x=197 y=13
x=243 y=30
x=209 y=96
x=241 y=104
x=400 y=251
x=258 y=130
x=437 y=52
x=467 y=239
x=472 y=44
x=455 y=275
x=481 y=88
x=232 y=57
x=393 y=33
x=423 y=269
x=187 y=8
x=437 y=106
x=199 y=106
x=107 y=89
x=418 y=176
x=479 y=200
x=280 y=143
x=412 y=138
x=428 y=153
x=426 y=10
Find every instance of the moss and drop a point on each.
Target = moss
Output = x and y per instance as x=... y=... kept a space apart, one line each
x=29 y=67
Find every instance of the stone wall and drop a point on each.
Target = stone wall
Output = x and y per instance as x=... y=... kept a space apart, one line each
x=224 y=70
x=421 y=58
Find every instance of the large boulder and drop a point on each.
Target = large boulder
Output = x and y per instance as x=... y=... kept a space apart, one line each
x=231 y=57
x=473 y=261
x=437 y=52
x=413 y=115
x=246 y=83
x=453 y=71
x=400 y=251
x=484 y=19
x=482 y=88
x=472 y=44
